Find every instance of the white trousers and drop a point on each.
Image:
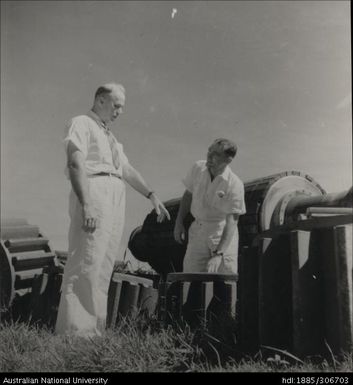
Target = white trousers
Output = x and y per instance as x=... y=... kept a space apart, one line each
x=203 y=239
x=91 y=257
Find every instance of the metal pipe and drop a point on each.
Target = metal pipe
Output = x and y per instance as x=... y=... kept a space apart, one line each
x=329 y=210
x=299 y=204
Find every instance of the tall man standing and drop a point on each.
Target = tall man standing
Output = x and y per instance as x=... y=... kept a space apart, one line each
x=215 y=197
x=97 y=168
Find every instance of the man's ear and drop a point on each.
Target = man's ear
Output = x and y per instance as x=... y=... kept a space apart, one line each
x=101 y=99
x=229 y=159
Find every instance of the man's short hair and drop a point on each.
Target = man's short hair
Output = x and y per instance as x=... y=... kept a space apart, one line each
x=228 y=147
x=109 y=88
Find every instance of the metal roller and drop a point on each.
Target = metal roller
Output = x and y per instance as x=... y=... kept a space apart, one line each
x=267 y=200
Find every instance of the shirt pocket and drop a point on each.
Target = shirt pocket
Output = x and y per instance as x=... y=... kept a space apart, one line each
x=219 y=200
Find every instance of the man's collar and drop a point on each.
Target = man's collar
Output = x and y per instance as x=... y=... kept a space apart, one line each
x=96 y=118
x=224 y=175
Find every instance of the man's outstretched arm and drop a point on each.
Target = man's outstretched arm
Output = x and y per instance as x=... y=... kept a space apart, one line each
x=136 y=181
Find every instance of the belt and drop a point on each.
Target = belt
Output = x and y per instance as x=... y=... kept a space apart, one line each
x=213 y=222
x=105 y=174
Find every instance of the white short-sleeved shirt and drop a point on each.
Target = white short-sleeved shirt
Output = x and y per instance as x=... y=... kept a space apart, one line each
x=213 y=200
x=89 y=137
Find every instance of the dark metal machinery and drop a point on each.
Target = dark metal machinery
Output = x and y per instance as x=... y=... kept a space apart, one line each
x=295 y=266
x=24 y=255
x=295 y=263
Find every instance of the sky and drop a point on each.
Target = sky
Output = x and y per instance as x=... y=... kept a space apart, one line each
x=274 y=76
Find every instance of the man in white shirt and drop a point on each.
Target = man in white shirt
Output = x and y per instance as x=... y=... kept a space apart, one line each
x=96 y=167
x=215 y=197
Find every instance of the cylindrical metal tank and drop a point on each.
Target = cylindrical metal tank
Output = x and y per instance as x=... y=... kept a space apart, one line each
x=154 y=242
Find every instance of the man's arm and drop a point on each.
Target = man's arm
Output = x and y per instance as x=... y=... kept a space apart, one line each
x=79 y=182
x=228 y=232
x=227 y=235
x=184 y=209
x=136 y=181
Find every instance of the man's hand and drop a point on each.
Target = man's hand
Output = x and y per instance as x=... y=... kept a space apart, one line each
x=89 y=219
x=161 y=211
x=214 y=263
x=179 y=232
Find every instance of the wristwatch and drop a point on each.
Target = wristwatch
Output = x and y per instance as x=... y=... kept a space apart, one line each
x=217 y=253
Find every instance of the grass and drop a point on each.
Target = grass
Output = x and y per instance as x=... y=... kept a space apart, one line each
x=137 y=346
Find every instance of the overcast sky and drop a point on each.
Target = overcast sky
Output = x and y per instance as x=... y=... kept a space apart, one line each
x=274 y=76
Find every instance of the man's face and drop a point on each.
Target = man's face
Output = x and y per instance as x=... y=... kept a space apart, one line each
x=111 y=106
x=217 y=160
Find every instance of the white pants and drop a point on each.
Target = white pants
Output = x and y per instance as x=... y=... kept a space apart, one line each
x=203 y=239
x=91 y=257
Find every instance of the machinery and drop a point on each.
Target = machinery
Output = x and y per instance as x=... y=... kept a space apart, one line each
x=295 y=263
x=154 y=242
x=294 y=289
x=25 y=258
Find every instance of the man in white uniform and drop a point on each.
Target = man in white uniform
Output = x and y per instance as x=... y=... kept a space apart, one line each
x=96 y=167
x=215 y=197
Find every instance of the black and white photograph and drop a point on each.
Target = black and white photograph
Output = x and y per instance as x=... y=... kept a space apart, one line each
x=176 y=190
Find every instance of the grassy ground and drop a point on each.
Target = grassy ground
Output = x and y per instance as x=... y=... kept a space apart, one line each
x=139 y=347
